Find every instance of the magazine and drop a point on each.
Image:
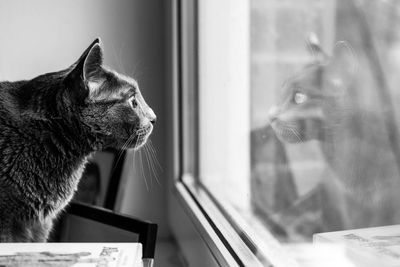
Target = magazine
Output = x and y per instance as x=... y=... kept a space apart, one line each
x=71 y=254
x=376 y=246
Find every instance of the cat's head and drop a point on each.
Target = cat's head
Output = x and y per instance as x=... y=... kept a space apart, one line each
x=109 y=105
x=313 y=101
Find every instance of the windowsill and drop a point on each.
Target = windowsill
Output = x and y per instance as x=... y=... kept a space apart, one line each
x=221 y=238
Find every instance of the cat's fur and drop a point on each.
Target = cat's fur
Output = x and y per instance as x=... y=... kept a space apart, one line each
x=49 y=125
x=360 y=188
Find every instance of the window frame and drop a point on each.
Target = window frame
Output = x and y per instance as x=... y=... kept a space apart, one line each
x=207 y=234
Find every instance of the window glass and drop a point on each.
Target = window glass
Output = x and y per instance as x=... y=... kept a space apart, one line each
x=299 y=113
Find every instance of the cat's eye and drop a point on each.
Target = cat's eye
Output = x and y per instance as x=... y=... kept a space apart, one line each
x=299 y=98
x=133 y=101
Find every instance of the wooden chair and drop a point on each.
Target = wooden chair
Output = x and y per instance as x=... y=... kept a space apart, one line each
x=88 y=223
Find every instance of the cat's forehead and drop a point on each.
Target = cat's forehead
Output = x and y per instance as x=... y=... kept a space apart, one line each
x=126 y=80
x=309 y=72
x=310 y=75
x=115 y=87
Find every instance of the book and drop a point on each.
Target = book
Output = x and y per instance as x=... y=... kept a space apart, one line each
x=71 y=254
x=367 y=247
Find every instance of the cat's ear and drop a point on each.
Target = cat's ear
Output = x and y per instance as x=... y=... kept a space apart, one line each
x=92 y=63
x=343 y=64
x=87 y=71
x=315 y=49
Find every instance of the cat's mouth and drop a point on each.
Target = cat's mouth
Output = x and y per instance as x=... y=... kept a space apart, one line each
x=287 y=133
x=140 y=137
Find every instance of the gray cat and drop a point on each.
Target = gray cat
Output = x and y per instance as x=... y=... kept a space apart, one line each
x=48 y=126
x=361 y=184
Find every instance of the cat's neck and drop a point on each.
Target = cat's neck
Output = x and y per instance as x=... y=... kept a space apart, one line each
x=357 y=150
x=35 y=125
x=47 y=114
x=345 y=126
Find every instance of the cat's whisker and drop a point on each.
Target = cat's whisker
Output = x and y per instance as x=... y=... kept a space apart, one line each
x=142 y=170
x=290 y=129
x=134 y=153
x=154 y=155
x=126 y=144
x=297 y=134
x=148 y=163
x=154 y=159
x=140 y=134
x=152 y=167
x=131 y=142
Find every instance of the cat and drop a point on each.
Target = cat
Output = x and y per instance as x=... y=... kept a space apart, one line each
x=49 y=125
x=89 y=185
x=361 y=183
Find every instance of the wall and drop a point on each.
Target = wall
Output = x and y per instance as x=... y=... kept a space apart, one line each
x=43 y=36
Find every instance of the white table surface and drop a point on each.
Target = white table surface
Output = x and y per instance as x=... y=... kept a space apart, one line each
x=71 y=254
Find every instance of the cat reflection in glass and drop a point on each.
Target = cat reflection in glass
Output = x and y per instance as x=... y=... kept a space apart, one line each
x=49 y=125
x=360 y=185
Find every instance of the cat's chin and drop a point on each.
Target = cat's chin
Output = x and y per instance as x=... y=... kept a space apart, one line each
x=290 y=139
x=141 y=142
x=140 y=138
x=287 y=134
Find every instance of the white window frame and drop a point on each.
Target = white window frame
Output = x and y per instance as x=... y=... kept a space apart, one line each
x=204 y=234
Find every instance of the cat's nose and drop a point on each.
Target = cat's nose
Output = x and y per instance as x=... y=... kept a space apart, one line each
x=153 y=120
x=273 y=113
x=151 y=116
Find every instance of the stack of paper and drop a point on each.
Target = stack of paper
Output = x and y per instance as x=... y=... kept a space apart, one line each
x=367 y=247
x=71 y=254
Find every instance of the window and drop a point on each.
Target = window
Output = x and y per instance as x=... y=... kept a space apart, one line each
x=290 y=119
